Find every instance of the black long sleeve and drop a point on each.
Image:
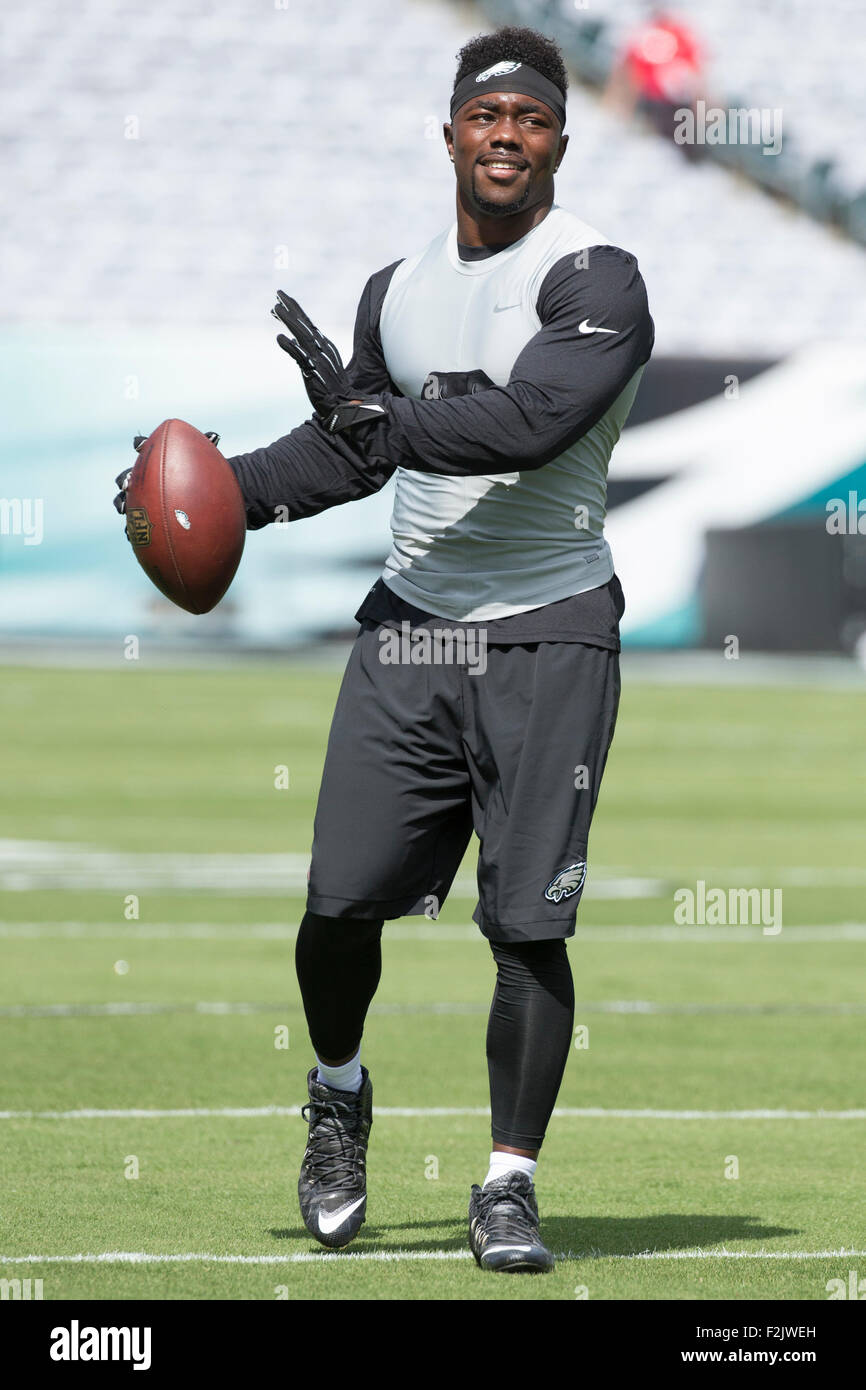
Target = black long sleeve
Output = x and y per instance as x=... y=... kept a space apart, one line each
x=304 y=473
x=308 y=470
x=596 y=331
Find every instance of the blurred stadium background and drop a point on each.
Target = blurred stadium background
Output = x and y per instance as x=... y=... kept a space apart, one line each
x=167 y=169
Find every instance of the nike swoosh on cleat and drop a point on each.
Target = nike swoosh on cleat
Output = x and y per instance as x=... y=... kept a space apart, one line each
x=331 y=1220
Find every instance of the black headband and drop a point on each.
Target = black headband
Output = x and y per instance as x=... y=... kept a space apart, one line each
x=510 y=76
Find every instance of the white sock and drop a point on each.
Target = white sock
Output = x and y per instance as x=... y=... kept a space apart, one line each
x=345 y=1078
x=502 y=1163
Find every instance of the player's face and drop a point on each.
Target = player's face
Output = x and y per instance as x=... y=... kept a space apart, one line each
x=506 y=149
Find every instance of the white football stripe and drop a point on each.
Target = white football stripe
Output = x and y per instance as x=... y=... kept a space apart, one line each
x=31 y=864
x=130 y=1009
x=427 y=931
x=118 y=1257
x=221 y=1008
x=427 y=1112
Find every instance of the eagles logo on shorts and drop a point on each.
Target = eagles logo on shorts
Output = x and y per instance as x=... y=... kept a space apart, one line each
x=139 y=527
x=566 y=882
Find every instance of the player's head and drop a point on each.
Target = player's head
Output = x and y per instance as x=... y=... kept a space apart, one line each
x=508 y=106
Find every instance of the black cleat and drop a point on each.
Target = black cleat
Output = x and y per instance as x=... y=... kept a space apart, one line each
x=503 y=1227
x=332 y=1188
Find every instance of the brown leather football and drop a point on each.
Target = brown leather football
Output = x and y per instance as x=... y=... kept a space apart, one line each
x=185 y=516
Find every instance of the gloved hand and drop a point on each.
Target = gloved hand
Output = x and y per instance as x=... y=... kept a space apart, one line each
x=331 y=394
x=122 y=479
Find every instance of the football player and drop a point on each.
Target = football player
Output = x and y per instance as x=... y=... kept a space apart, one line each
x=492 y=370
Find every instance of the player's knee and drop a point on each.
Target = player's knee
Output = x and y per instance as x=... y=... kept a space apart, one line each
x=529 y=952
x=534 y=965
x=336 y=933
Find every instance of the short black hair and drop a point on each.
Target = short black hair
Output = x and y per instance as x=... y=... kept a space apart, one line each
x=518 y=46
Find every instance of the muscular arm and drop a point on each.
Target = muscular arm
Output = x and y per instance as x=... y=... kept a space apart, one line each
x=562 y=382
x=309 y=470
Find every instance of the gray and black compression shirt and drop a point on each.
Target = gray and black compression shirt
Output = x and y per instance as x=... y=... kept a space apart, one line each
x=591 y=616
x=506 y=379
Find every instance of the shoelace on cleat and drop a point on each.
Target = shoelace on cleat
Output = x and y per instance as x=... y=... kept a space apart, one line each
x=511 y=1212
x=332 y=1152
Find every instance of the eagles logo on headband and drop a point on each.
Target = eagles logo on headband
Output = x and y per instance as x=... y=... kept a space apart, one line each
x=509 y=76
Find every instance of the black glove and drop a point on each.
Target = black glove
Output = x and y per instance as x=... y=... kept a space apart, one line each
x=331 y=394
x=122 y=479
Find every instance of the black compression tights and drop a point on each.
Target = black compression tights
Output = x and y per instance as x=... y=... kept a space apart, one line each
x=528 y=1037
x=339 y=963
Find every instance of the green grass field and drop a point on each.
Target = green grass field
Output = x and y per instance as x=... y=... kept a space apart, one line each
x=119 y=783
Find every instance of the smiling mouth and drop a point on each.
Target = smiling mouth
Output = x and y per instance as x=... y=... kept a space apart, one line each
x=503 y=171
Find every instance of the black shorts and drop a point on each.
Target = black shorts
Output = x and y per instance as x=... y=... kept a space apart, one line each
x=420 y=754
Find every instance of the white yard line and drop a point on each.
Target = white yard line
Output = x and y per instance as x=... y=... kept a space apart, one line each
x=209 y=931
x=130 y=1009
x=58 y=864
x=220 y=1008
x=52 y=864
x=427 y=1112
x=118 y=1257
x=432 y=931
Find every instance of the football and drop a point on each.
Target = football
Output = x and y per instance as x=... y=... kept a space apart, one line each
x=185 y=516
